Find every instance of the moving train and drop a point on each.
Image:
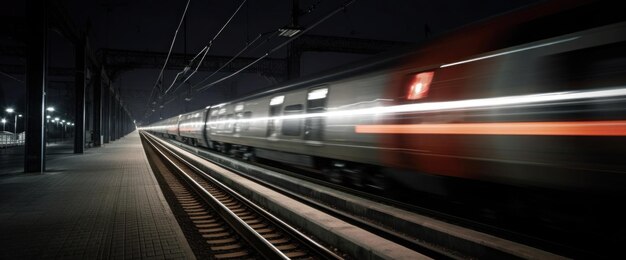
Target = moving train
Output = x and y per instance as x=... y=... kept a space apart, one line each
x=532 y=100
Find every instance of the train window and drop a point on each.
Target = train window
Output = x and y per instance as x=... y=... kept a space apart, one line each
x=245 y=125
x=276 y=104
x=292 y=126
x=212 y=123
x=316 y=103
x=238 y=116
x=229 y=123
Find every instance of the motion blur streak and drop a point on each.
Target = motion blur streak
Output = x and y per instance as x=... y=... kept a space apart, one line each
x=588 y=128
x=509 y=52
x=483 y=103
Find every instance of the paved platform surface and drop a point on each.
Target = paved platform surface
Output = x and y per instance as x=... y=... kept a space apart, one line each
x=103 y=204
x=12 y=158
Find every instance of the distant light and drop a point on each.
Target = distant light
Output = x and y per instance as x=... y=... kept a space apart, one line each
x=4 y=120
x=56 y=119
x=289 y=31
x=62 y=121
x=50 y=109
x=20 y=115
x=10 y=110
x=48 y=116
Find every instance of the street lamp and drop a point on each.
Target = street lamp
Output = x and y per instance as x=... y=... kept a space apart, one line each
x=4 y=121
x=50 y=109
x=11 y=111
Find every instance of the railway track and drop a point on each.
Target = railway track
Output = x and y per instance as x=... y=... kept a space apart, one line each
x=434 y=243
x=231 y=226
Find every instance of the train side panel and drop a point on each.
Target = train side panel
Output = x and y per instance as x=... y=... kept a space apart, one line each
x=532 y=118
x=191 y=126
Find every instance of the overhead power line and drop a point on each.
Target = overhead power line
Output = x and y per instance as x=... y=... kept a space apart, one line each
x=206 y=51
x=160 y=77
x=342 y=7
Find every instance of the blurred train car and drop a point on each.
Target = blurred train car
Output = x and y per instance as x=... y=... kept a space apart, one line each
x=530 y=104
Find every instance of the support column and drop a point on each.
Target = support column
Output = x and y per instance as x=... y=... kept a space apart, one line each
x=79 y=81
x=97 y=109
x=105 y=111
x=36 y=65
x=120 y=118
x=114 y=116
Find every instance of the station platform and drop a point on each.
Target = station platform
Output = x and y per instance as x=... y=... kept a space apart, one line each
x=103 y=204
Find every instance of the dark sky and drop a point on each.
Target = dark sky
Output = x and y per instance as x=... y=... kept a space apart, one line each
x=150 y=26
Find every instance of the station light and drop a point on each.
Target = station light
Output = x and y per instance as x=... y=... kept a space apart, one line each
x=48 y=116
x=50 y=109
x=56 y=119
x=10 y=110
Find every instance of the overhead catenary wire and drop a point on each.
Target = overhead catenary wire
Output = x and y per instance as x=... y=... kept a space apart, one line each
x=206 y=50
x=160 y=77
x=233 y=58
x=342 y=7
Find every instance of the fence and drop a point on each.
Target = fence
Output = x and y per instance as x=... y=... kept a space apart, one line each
x=8 y=139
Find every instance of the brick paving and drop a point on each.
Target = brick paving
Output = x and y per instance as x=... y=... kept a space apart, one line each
x=104 y=204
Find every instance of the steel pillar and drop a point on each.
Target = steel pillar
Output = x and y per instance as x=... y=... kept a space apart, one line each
x=113 y=116
x=36 y=65
x=79 y=81
x=106 y=114
x=97 y=109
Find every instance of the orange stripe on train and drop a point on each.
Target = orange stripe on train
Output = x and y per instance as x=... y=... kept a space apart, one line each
x=576 y=128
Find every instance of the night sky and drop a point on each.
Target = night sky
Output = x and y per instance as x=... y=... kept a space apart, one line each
x=150 y=26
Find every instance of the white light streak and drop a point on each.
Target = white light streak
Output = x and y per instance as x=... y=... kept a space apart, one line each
x=509 y=52
x=482 y=103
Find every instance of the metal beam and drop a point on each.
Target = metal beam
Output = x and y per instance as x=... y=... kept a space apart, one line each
x=17 y=70
x=117 y=61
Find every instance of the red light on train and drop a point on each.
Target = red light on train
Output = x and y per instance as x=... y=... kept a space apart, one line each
x=419 y=85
